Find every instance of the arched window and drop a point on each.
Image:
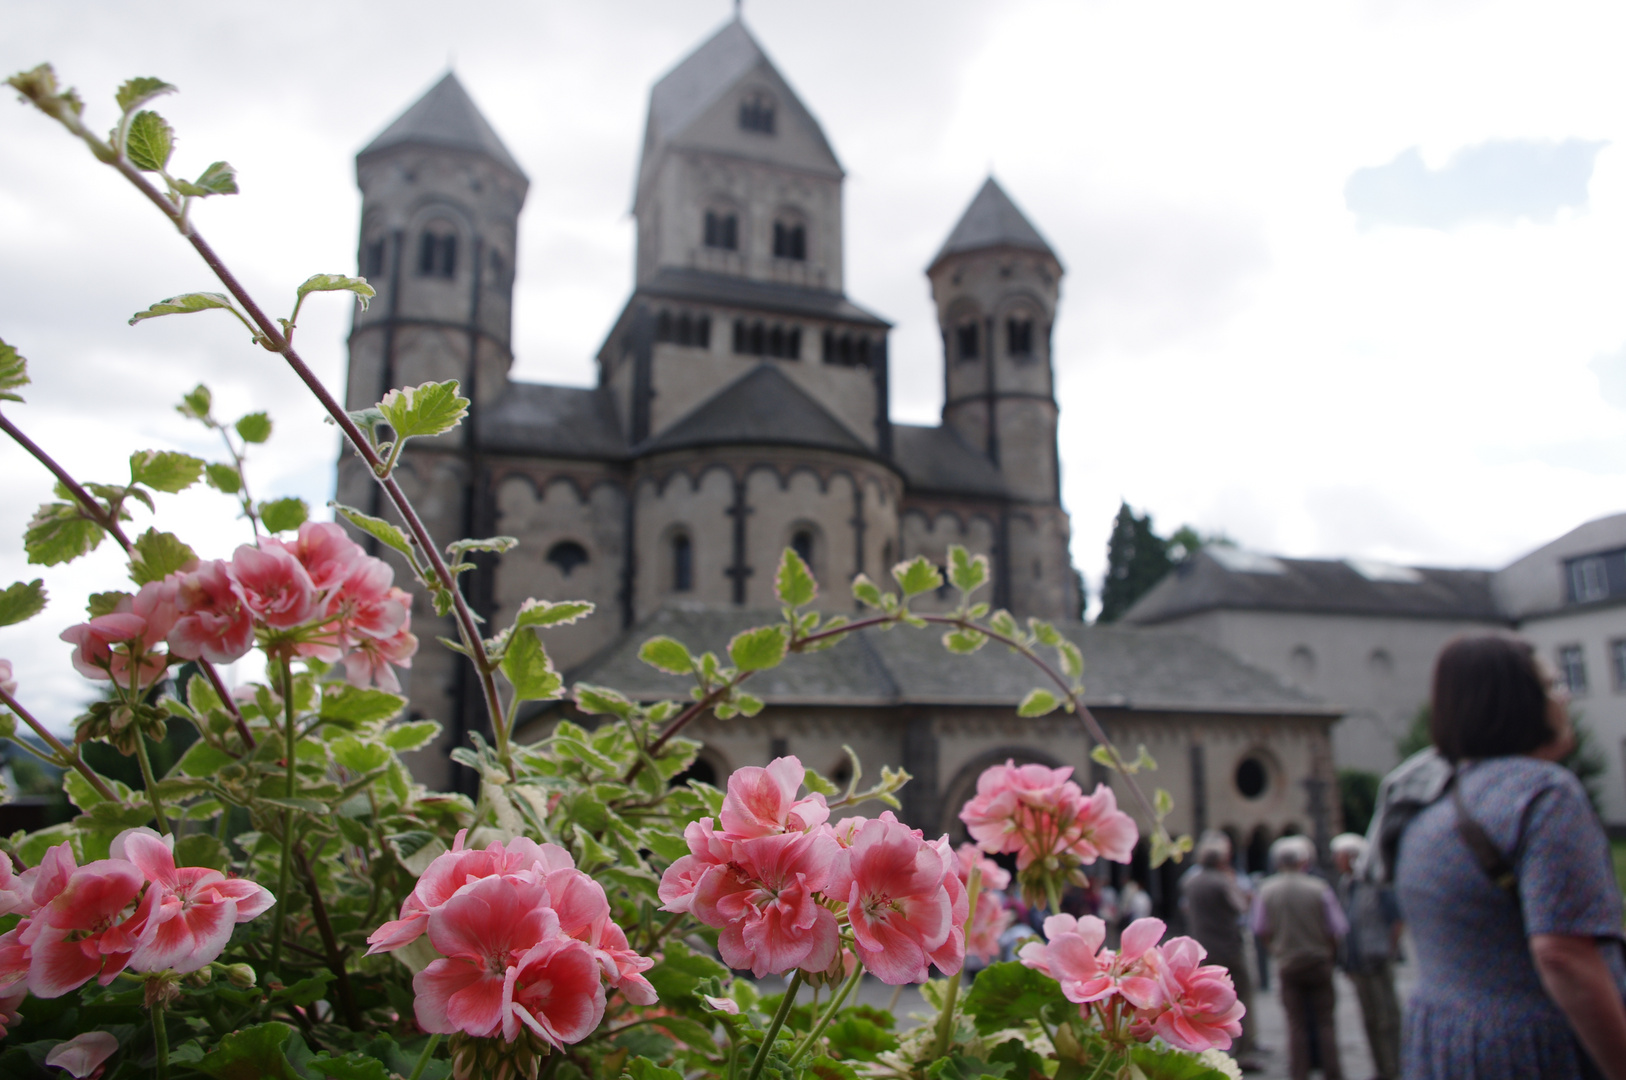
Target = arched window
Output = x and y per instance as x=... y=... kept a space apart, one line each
x=567 y=555
x=682 y=563
x=722 y=230
x=965 y=339
x=801 y=542
x=372 y=259
x=1019 y=335
x=437 y=252
x=789 y=240
x=1302 y=661
x=1252 y=777
x=756 y=113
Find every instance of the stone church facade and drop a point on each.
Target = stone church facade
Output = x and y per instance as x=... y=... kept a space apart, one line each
x=741 y=408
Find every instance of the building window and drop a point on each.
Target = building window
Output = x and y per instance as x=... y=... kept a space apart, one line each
x=567 y=555
x=682 y=563
x=1019 y=337
x=761 y=339
x=1380 y=663
x=789 y=241
x=1617 y=656
x=756 y=114
x=437 y=254
x=801 y=542
x=965 y=338
x=1589 y=579
x=372 y=259
x=849 y=350
x=722 y=231
x=1252 y=778
x=683 y=328
x=1572 y=669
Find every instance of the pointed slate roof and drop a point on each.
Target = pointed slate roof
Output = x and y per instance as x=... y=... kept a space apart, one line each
x=762 y=407
x=448 y=118
x=992 y=220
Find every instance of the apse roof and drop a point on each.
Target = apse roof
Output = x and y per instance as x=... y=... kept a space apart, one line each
x=445 y=117
x=936 y=459
x=552 y=421
x=762 y=407
x=992 y=220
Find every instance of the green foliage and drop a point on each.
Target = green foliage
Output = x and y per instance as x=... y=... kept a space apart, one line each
x=1358 y=798
x=22 y=601
x=754 y=650
x=794 y=582
x=1010 y=995
x=164 y=470
x=377 y=528
x=283 y=515
x=917 y=576
x=1137 y=559
x=218 y=179
x=59 y=533
x=223 y=478
x=186 y=304
x=13 y=373
x=425 y=410
x=528 y=668
x=136 y=92
x=157 y=555
x=1037 y=703
x=149 y=141
x=665 y=654
x=254 y=428
x=341 y=283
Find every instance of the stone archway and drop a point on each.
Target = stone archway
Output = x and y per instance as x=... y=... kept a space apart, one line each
x=963 y=786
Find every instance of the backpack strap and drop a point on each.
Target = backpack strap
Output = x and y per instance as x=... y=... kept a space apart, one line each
x=1491 y=859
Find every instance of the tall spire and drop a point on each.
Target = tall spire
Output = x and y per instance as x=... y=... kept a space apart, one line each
x=992 y=220
x=447 y=118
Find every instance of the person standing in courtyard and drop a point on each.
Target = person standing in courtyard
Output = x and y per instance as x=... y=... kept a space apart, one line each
x=1369 y=951
x=1298 y=916
x=1504 y=878
x=1215 y=906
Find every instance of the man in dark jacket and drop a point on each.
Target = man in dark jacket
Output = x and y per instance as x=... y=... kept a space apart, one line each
x=1369 y=952
x=1215 y=905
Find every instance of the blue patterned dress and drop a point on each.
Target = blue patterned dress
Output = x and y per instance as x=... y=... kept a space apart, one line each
x=1479 y=1011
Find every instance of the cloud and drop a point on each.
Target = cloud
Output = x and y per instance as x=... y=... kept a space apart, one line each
x=1499 y=181
x=1611 y=371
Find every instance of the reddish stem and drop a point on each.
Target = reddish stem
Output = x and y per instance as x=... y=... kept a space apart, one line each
x=71 y=757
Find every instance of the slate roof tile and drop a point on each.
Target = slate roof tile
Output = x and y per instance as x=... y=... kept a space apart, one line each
x=448 y=118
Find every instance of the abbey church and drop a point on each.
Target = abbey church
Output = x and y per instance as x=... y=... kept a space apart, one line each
x=741 y=407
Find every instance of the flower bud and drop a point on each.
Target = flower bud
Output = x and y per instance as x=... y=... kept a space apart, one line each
x=240 y=975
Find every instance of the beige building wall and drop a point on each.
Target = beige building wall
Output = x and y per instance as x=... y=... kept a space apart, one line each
x=1600 y=633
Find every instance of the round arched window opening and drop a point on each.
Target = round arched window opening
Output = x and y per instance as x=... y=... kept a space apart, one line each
x=682 y=563
x=567 y=555
x=801 y=542
x=700 y=769
x=1252 y=777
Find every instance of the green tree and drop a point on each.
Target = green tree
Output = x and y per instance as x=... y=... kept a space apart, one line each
x=1137 y=559
x=1358 y=796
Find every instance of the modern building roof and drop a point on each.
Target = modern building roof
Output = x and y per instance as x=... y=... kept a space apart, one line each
x=700 y=287
x=1227 y=579
x=937 y=460
x=1123 y=668
x=1537 y=584
x=552 y=421
x=445 y=118
x=992 y=220
x=764 y=408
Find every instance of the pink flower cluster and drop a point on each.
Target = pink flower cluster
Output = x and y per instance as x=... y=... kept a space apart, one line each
x=321 y=592
x=1039 y=814
x=524 y=937
x=771 y=878
x=136 y=909
x=992 y=918
x=1144 y=989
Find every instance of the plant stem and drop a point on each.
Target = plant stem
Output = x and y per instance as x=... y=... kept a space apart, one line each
x=829 y=1014
x=423 y=1058
x=285 y=874
x=151 y=783
x=91 y=509
x=330 y=943
x=1053 y=894
x=773 y=1027
x=69 y=757
x=228 y=702
x=945 y=1020
x=160 y=1038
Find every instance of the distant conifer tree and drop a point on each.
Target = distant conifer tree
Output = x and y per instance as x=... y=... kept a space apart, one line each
x=1137 y=559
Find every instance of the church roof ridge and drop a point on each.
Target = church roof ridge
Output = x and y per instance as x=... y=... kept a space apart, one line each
x=764 y=407
x=992 y=220
x=445 y=117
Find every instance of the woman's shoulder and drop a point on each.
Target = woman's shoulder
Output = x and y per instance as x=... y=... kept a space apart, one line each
x=1526 y=775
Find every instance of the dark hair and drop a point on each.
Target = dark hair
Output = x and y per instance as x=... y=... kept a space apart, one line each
x=1489 y=700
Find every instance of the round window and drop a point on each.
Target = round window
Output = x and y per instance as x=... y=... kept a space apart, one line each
x=1252 y=778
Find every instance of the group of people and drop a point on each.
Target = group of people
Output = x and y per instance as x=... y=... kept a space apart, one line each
x=1487 y=852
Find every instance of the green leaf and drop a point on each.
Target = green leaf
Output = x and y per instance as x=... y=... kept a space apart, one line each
x=224 y=478
x=158 y=555
x=527 y=666
x=201 y=849
x=185 y=304
x=140 y=90
x=866 y=591
x=22 y=601
x=794 y=583
x=917 y=576
x=352 y=1066
x=1160 y=1062
x=254 y=428
x=428 y=409
x=340 y=283
x=1102 y=756
x=964 y=641
x=13 y=373
x=641 y=1068
x=283 y=515
x=1025 y=1063
x=254 y=1053
x=359 y=757
x=377 y=528
x=1162 y=803
x=165 y=470
x=681 y=971
x=665 y=654
x=747 y=704
x=1072 y=660
x=411 y=735
x=105 y=603
x=499 y=544
x=964 y=1067
x=196 y=404
x=1044 y=633
x=599 y=700
x=823 y=1068
x=968 y=574
x=349 y=704
x=549 y=613
x=150 y=141
x=201 y=760
x=218 y=179
x=1002 y=622
x=1037 y=703
x=59 y=534
x=1009 y=995
x=759 y=649
x=860 y=1039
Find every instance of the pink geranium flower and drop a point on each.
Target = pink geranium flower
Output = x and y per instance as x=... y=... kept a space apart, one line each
x=554 y=990
x=369 y=660
x=10 y=1001
x=708 y=850
x=761 y=802
x=1198 y=1009
x=114 y=646
x=213 y=623
x=84 y=1055
x=763 y=902
x=89 y=929
x=899 y=902
x=1072 y=955
x=1096 y=828
x=196 y=909
x=478 y=932
x=8 y=681
x=274 y=585
x=325 y=551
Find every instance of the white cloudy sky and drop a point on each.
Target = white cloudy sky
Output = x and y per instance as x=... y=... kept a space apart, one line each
x=1343 y=278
